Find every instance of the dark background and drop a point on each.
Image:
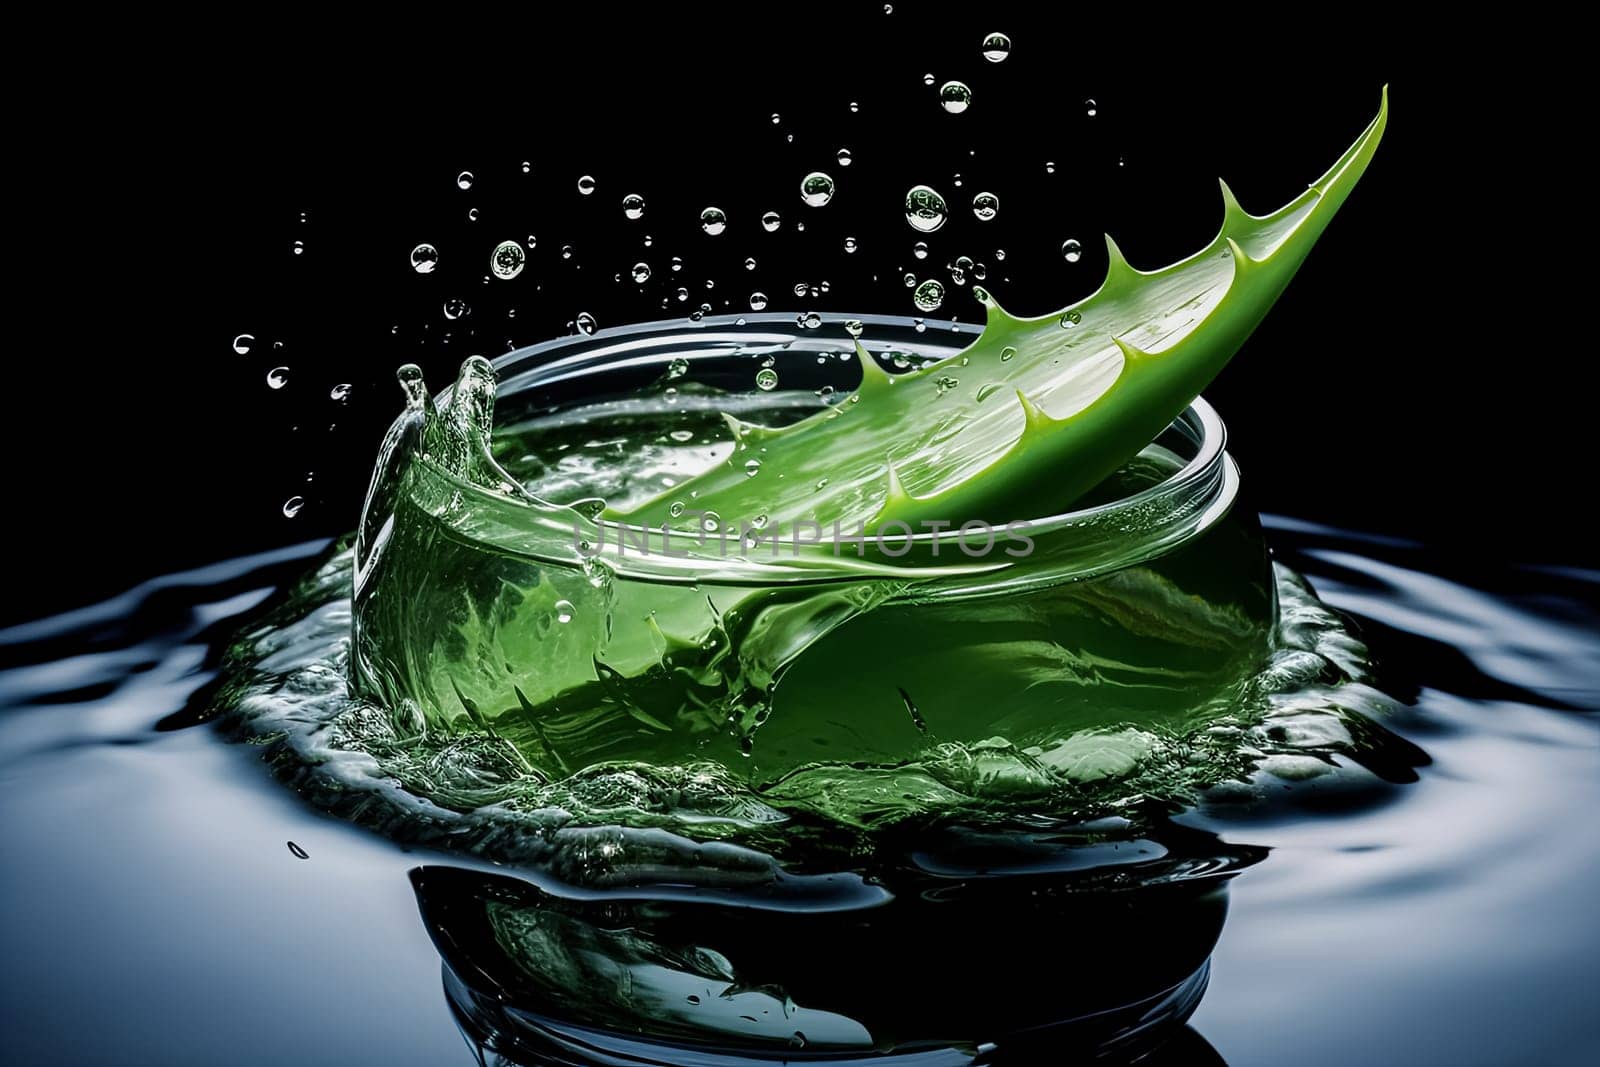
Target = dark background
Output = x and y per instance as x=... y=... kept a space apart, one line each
x=1400 y=386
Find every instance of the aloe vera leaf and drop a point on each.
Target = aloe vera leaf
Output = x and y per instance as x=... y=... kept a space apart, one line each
x=1036 y=411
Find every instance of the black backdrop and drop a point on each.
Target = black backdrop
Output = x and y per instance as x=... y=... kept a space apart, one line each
x=1398 y=387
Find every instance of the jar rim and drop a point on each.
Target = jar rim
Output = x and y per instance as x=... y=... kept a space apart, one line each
x=1188 y=499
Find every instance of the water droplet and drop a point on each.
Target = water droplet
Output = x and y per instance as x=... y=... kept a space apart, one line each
x=752 y=467
x=277 y=377
x=713 y=220
x=928 y=79
x=854 y=327
x=298 y=852
x=958 y=270
x=945 y=383
x=816 y=189
x=677 y=509
x=996 y=46
x=1090 y=108
x=925 y=209
x=844 y=153
x=340 y=392
x=750 y=264
x=677 y=369
x=676 y=264
x=299 y=247
x=918 y=325
x=986 y=206
x=527 y=167
x=464 y=180
x=1007 y=354
x=532 y=242
x=1071 y=319
x=507 y=260
x=585 y=322
x=641 y=272
x=292 y=506
x=632 y=204
x=910 y=280
x=979 y=271
x=1049 y=168
x=242 y=343
x=955 y=96
x=585 y=185
x=1071 y=250
x=854 y=107
x=808 y=320
x=929 y=295
x=776 y=118
x=472 y=214
x=801 y=289
x=1000 y=254
x=766 y=379
x=770 y=221
x=682 y=294
x=758 y=300
x=455 y=308
x=920 y=250
x=564 y=611
x=850 y=244
x=424 y=258
x=566 y=251
x=710 y=522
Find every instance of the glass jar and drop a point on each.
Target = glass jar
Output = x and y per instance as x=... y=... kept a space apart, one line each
x=584 y=640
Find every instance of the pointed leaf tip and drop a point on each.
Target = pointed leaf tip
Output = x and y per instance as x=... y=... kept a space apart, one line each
x=1118 y=263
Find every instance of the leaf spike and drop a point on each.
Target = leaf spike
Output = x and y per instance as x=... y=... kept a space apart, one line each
x=1118 y=265
x=1131 y=356
x=1233 y=215
x=1242 y=263
x=873 y=376
x=748 y=431
x=1035 y=418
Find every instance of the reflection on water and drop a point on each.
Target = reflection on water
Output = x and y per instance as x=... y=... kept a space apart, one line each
x=152 y=913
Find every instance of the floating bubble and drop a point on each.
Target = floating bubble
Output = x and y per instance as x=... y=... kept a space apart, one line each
x=507 y=260
x=527 y=167
x=758 y=300
x=996 y=46
x=585 y=185
x=242 y=343
x=641 y=272
x=292 y=506
x=776 y=118
x=1090 y=108
x=986 y=206
x=464 y=180
x=920 y=250
x=928 y=79
x=585 y=322
x=566 y=251
x=299 y=247
x=1049 y=168
x=770 y=222
x=925 y=209
x=928 y=296
x=766 y=379
x=456 y=308
x=750 y=263
x=960 y=268
x=683 y=294
x=955 y=97
x=532 y=242
x=713 y=220
x=676 y=264
x=340 y=392
x=910 y=280
x=816 y=189
x=1071 y=250
x=472 y=214
x=424 y=258
x=850 y=244
x=632 y=204
x=277 y=377
x=844 y=157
